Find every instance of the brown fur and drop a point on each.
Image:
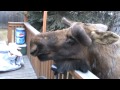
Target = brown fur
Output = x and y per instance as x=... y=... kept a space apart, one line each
x=66 y=48
x=105 y=60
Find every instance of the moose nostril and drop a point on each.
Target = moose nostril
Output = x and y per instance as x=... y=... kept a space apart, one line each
x=33 y=52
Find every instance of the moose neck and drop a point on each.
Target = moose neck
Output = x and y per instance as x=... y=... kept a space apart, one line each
x=105 y=58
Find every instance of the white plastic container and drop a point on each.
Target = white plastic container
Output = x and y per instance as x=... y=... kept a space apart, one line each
x=23 y=49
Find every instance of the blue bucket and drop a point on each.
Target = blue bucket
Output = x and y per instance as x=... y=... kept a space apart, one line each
x=20 y=35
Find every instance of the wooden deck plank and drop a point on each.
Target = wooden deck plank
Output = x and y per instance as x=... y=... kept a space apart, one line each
x=25 y=72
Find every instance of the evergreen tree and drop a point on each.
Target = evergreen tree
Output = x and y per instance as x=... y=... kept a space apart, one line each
x=54 y=18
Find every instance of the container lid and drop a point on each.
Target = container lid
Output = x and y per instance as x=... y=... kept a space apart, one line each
x=20 y=28
x=22 y=45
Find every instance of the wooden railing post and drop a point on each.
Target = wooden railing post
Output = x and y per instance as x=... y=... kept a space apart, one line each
x=9 y=34
x=44 y=21
x=25 y=16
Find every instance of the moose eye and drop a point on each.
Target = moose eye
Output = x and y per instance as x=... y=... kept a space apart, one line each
x=71 y=41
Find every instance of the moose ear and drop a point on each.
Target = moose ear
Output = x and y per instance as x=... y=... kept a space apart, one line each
x=67 y=21
x=104 y=37
x=79 y=33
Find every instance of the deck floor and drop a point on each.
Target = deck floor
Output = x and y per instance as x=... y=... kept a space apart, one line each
x=25 y=72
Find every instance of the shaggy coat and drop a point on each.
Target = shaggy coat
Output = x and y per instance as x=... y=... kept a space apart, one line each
x=83 y=47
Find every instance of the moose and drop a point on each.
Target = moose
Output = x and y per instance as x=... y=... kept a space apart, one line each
x=81 y=46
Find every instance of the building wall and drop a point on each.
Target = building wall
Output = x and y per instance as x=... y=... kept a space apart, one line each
x=10 y=16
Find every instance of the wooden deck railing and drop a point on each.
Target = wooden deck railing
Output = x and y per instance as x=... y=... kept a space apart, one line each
x=42 y=68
